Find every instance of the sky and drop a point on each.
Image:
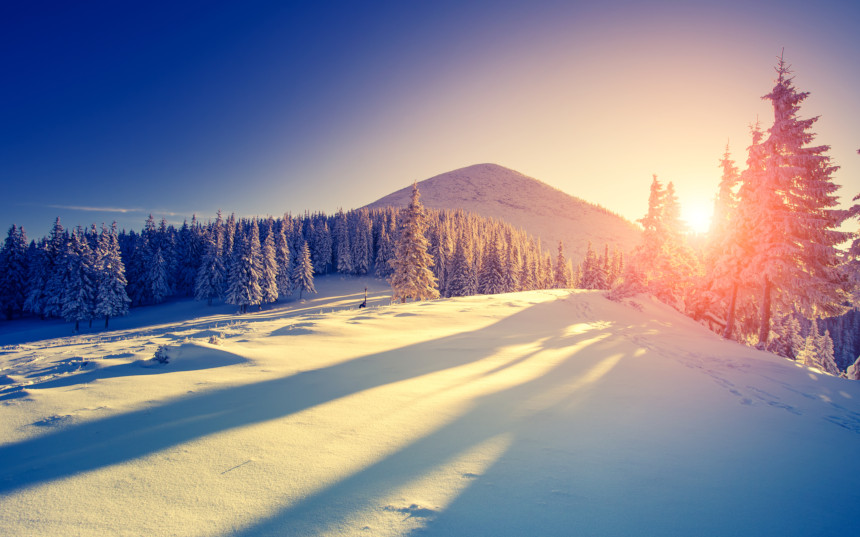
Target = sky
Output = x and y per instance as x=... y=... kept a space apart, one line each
x=116 y=110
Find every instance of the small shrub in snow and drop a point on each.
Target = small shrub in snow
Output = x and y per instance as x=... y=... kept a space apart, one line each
x=215 y=339
x=161 y=355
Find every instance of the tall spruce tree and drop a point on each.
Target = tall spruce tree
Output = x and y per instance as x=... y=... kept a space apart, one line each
x=111 y=297
x=303 y=272
x=245 y=270
x=209 y=283
x=413 y=277
x=80 y=286
x=795 y=254
x=283 y=260
x=269 y=266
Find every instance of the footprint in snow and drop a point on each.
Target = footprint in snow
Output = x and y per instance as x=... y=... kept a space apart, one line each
x=413 y=511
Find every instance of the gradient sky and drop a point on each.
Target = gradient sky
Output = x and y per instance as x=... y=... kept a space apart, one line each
x=114 y=110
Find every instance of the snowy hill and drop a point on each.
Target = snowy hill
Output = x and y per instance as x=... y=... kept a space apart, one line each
x=497 y=192
x=549 y=413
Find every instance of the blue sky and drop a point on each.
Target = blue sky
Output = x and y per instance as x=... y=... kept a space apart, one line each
x=114 y=110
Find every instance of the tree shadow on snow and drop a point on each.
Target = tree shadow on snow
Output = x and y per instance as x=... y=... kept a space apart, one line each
x=97 y=444
x=518 y=412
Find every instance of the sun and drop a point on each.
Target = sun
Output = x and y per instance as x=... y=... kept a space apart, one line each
x=697 y=214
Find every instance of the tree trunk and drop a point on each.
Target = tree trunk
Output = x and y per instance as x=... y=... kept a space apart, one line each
x=730 y=318
x=107 y=317
x=764 y=327
x=77 y=326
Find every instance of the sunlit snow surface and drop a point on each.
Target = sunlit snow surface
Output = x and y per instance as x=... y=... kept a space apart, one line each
x=540 y=413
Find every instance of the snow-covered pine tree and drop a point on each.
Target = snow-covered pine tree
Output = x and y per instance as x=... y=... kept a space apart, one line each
x=795 y=254
x=561 y=281
x=189 y=254
x=527 y=275
x=283 y=260
x=303 y=273
x=245 y=270
x=209 y=283
x=593 y=271
x=362 y=243
x=384 y=252
x=159 y=286
x=37 y=278
x=412 y=277
x=56 y=268
x=513 y=265
x=491 y=277
x=111 y=297
x=343 y=250
x=80 y=287
x=724 y=249
x=817 y=351
x=13 y=272
x=461 y=279
x=825 y=354
x=269 y=266
x=321 y=247
x=647 y=254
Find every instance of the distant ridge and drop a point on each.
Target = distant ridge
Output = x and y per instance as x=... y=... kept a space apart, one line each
x=497 y=192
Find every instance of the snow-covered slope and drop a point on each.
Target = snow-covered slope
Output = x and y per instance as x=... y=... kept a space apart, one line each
x=549 y=413
x=497 y=192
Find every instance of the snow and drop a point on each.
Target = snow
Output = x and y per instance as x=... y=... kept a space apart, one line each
x=537 y=413
x=545 y=212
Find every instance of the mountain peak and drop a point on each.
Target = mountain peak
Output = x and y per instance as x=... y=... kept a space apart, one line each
x=546 y=212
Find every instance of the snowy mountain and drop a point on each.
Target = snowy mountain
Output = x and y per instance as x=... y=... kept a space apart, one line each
x=497 y=192
x=549 y=413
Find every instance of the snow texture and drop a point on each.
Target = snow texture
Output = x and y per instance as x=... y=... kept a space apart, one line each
x=536 y=413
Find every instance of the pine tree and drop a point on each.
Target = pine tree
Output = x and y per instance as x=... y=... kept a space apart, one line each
x=303 y=274
x=491 y=277
x=384 y=252
x=513 y=266
x=78 y=297
x=269 y=267
x=561 y=281
x=283 y=261
x=413 y=277
x=13 y=272
x=461 y=281
x=111 y=297
x=648 y=253
x=321 y=248
x=56 y=271
x=37 y=278
x=209 y=283
x=825 y=354
x=362 y=244
x=794 y=252
x=245 y=270
x=159 y=285
x=343 y=250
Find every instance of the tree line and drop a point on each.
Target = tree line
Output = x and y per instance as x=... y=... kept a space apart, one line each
x=88 y=273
